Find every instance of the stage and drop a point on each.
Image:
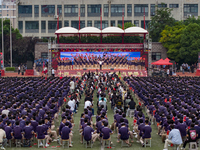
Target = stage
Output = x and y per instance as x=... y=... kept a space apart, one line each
x=136 y=73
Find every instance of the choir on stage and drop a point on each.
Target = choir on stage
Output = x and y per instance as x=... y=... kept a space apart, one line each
x=95 y=62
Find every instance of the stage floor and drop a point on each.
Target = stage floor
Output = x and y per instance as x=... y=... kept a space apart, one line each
x=137 y=73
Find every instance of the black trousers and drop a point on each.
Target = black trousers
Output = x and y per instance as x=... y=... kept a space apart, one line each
x=100 y=67
x=187 y=141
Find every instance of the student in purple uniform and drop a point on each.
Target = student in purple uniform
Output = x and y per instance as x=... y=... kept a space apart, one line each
x=8 y=130
x=28 y=131
x=17 y=131
x=66 y=133
x=106 y=132
x=82 y=128
x=146 y=130
x=62 y=124
x=124 y=134
x=182 y=128
x=40 y=130
x=140 y=128
x=89 y=134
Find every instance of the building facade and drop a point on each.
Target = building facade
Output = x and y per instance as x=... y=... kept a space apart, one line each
x=9 y=11
x=38 y=18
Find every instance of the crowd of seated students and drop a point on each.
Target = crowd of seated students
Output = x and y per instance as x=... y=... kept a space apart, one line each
x=29 y=107
x=173 y=103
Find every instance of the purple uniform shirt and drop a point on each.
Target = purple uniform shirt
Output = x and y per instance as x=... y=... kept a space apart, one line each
x=65 y=133
x=87 y=133
x=106 y=132
x=123 y=131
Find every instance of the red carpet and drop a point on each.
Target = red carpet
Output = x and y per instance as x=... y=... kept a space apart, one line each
x=197 y=72
x=29 y=72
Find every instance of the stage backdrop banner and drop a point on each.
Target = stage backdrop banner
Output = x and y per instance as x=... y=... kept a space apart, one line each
x=71 y=55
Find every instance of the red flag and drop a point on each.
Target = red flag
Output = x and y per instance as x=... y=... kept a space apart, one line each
x=165 y=100
x=173 y=118
x=140 y=104
x=170 y=100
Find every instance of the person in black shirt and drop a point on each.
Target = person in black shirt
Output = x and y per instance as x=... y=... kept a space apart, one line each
x=131 y=106
x=88 y=97
x=191 y=135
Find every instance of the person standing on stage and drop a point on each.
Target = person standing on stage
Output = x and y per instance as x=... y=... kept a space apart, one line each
x=100 y=63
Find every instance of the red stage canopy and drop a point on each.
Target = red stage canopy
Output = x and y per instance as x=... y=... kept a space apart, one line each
x=162 y=62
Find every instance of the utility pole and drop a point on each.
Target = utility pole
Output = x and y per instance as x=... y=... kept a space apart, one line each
x=2 y=34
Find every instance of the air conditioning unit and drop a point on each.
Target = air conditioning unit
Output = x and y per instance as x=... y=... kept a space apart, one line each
x=55 y=16
x=189 y=15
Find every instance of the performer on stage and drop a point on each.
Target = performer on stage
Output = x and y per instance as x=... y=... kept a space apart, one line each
x=100 y=63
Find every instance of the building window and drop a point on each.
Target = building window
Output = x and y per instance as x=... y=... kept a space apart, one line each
x=25 y=10
x=97 y=24
x=44 y=55
x=89 y=23
x=129 y=9
x=105 y=10
x=66 y=23
x=125 y=21
x=52 y=26
x=112 y=23
x=59 y=9
x=71 y=10
x=153 y=9
x=173 y=5
x=48 y=10
x=36 y=10
x=20 y=25
x=32 y=26
x=117 y=9
x=93 y=10
x=139 y=9
x=146 y=24
x=82 y=10
x=191 y=8
x=136 y=23
x=162 y=5
x=43 y=26
x=156 y=56
x=75 y=24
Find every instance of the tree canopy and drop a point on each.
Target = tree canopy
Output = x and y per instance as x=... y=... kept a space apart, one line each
x=158 y=22
x=22 y=47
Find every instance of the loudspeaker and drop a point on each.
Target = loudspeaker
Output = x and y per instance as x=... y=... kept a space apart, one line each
x=29 y=65
x=84 y=69
x=111 y=68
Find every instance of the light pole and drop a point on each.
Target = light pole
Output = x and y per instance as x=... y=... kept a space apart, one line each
x=149 y=56
x=10 y=43
x=49 y=57
x=2 y=33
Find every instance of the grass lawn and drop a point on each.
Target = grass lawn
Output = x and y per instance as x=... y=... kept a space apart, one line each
x=156 y=140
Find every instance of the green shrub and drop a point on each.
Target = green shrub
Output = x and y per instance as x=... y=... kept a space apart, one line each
x=10 y=68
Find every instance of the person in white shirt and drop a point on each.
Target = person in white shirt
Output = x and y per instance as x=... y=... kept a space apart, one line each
x=72 y=104
x=5 y=111
x=53 y=72
x=100 y=63
x=19 y=70
x=87 y=103
x=72 y=86
x=3 y=139
x=167 y=72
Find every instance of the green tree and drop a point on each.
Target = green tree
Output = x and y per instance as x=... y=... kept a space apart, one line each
x=126 y=25
x=170 y=38
x=190 y=43
x=158 y=22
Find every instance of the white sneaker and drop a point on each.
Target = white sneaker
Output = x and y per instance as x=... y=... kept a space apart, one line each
x=138 y=141
x=41 y=144
x=165 y=149
x=54 y=140
x=70 y=145
x=47 y=145
x=2 y=148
